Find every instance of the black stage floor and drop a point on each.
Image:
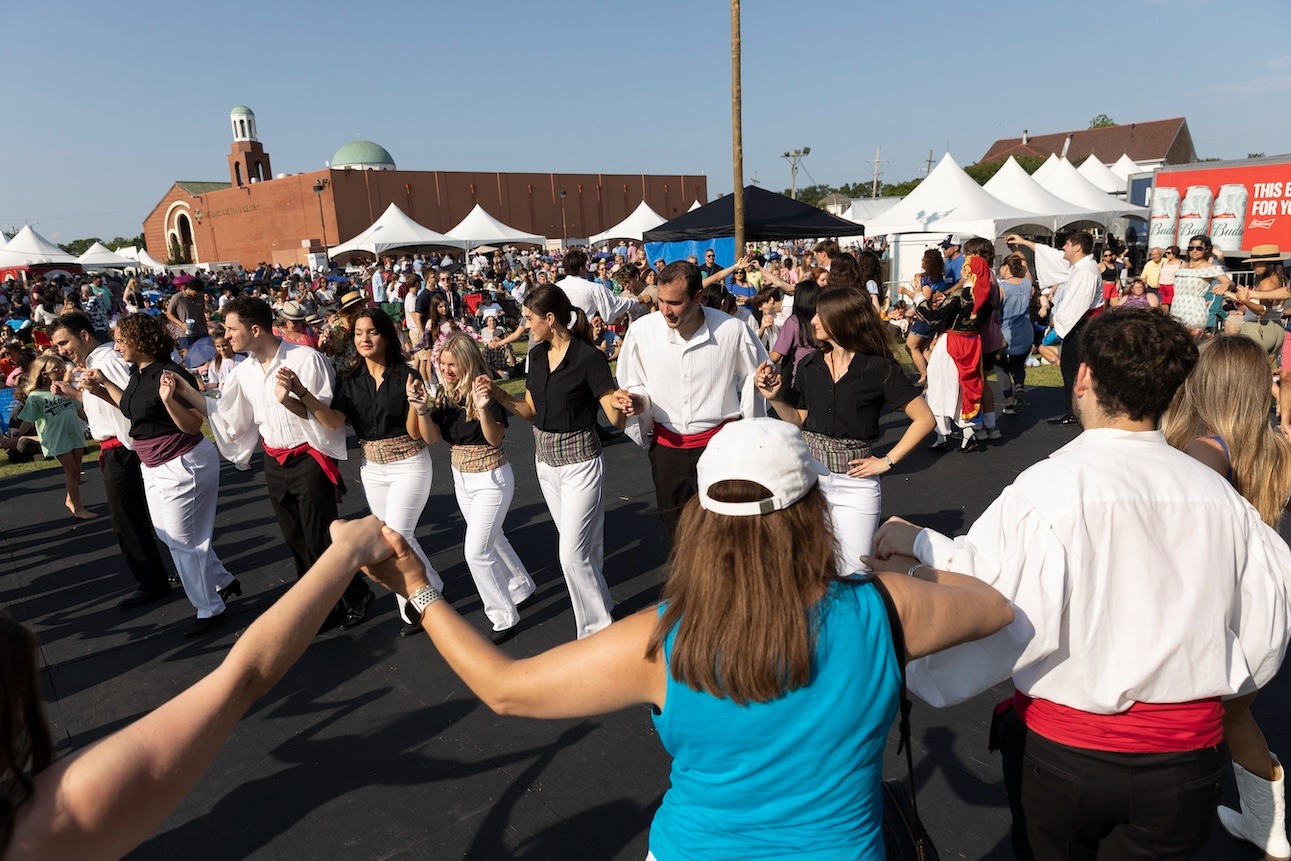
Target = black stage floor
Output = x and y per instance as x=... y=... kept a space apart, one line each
x=371 y=748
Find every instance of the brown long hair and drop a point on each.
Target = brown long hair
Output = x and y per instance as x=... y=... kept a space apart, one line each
x=740 y=593
x=850 y=319
x=26 y=746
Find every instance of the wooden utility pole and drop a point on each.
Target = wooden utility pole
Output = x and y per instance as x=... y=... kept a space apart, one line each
x=878 y=154
x=737 y=133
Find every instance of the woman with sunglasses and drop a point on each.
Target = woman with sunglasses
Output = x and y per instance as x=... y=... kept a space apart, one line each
x=1165 y=282
x=1196 y=282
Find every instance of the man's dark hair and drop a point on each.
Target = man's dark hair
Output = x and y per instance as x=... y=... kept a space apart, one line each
x=1084 y=240
x=1138 y=359
x=75 y=322
x=686 y=272
x=251 y=311
x=574 y=262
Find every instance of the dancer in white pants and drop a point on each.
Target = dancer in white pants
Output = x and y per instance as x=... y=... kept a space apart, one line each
x=463 y=414
x=567 y=377
x=374 y=394
x=836 y=397
x=181 y=470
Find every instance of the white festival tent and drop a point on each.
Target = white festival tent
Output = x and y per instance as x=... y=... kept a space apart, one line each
x=1101 y=176
x=29 y=248
x=480 y=228
x=99 y=256
x=393 y=229
x=694 y=206
x=950 y=201
x=1013 y=185
x=1126 y=167
x=1068 y=184
x=1043 y=170
x=643 y=218
x=142 y=258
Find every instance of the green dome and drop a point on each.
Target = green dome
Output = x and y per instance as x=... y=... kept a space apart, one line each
x=242 y=110
x=362 y=152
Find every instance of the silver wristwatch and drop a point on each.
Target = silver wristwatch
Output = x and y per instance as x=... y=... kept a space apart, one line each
x=421 y=599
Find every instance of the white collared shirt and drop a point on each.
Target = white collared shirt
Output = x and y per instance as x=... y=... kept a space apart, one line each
x=595 y=298
x=691 y=385
x=248 y=410
x=105 y=419
x=1137 y=574
x=1081 y=290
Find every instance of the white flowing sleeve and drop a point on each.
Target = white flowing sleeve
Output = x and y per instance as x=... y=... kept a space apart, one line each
x=632 y=379
x=611 y=307
x=1051 y=268
x=752 y=354
x=233 y=424
x=1258 y=617
x=1083 y=292
x=1012 y=549
x=319 y=377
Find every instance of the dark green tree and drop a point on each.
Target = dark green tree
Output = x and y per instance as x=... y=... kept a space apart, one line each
x=1101 y=121
x=77 y=247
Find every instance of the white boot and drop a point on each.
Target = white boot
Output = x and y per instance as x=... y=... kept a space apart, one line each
x=1263 y=817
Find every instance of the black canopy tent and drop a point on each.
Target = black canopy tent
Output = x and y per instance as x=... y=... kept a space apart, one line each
x=767 y=215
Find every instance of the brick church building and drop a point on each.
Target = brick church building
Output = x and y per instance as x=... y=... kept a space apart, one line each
x=258 y=217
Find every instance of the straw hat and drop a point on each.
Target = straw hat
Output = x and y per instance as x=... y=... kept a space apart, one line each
x=352 y=298
x=293 y=311
x=1267 y=254
x=313 y=320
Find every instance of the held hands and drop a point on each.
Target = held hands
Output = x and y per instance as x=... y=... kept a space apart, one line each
x=65 y=390
x=867 y=467
x=415 y=391
x=482 y=391
x=286 y=384
x=768 y=381
x=628 y=403
x=894 y=538
x=399 y=569
x=363 y=538
x=92 y=381
x=166 y=386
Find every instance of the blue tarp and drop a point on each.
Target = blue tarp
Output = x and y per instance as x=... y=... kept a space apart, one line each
x=723 y=249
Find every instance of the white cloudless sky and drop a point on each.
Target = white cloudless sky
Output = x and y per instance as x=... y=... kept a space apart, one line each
x=106 y=105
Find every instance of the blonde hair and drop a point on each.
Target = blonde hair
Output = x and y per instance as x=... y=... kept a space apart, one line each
x=470 y=364
x=1227 y=395
x=44 y=370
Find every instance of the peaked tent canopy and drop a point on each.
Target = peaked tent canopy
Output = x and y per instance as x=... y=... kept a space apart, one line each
x=1013 y=185
x=480 y=228
x=1068 y=184
x=643 y=218
x=950 y=201
x=29 y=248
x=1043 y=170
x=99 y=256
x=1101 y=176
x=393 y=229
x=694 y=206
x=1126 y=167
x=767 y=215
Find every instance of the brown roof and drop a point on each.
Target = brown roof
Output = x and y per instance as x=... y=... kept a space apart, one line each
x=1167 y=140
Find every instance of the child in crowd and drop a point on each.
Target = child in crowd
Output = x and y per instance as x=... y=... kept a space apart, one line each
x=59 y=424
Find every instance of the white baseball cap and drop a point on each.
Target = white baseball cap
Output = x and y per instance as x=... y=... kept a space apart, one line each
x=762 y=450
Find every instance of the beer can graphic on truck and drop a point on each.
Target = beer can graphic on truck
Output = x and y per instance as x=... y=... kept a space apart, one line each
x=1194 y=212
x=1228 y=222
x=1164 y=217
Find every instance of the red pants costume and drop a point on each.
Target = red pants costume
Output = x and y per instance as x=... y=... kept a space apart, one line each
x=966 y=350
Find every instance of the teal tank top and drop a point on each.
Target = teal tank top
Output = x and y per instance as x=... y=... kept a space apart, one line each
x=795 y=777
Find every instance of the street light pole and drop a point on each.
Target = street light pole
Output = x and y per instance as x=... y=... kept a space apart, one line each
x=793 y=157
x=564 y=225
x=319 y=186
x=737 y=130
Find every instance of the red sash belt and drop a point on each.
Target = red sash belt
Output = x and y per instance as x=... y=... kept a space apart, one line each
x=1142 y=728
x=669 y=438
x=106 y=446
x=327 y=464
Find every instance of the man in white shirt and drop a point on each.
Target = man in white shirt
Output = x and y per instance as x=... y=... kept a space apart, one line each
x=1146 y=590
x=300 y=463
x=689 y=370
x=73 y=336
x=1078 y=299
x=593 y=298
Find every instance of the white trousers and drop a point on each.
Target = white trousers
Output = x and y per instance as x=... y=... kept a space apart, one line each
x=573 y=495
x=854 y=505
x=500 y=577
x=182 y=493
x=397 y=494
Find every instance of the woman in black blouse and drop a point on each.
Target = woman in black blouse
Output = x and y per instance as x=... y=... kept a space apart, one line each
x=464 y=415
x=375 y=394
x=567 y=377
x=181 y=469
x=836 y=397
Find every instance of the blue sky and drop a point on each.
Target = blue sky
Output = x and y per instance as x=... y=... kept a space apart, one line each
x=107 y=104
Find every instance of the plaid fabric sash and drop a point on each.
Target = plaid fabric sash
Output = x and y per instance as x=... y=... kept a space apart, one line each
x=835 y=453
x=477 y=458
x=564 y=449
x=391 y=450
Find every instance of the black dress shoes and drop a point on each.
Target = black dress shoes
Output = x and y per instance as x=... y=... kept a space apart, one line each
x=356 y=615
x=500 y=637
x=234 y=588
x=409 y=629
x=201 y=626
x=140 y=597
x=1067 y=419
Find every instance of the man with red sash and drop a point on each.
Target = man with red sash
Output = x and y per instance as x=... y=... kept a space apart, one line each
x=689 y=370
x=300 y=463
x=1146 y=591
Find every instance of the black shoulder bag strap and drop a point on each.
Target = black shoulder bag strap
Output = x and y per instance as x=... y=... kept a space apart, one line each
x=903 y=724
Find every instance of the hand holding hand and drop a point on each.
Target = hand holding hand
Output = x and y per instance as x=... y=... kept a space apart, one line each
x=65 y=390
x=415 y=391
x=362 y=537
x=400 y=570
x=92 y=380
x=895 y=537
x=166 y=386
x=482 y=391
x=768 y=381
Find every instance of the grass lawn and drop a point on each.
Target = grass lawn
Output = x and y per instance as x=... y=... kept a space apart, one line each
x=1043 y=376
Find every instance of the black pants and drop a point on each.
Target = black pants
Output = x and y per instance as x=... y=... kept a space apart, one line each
x=675 y=481
x=1012 y=371
x=128 y=510
x=1071 y=803
x=304 y=501
x=1069 y=362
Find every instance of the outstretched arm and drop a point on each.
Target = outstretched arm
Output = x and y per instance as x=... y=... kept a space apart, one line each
x=109 y=798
